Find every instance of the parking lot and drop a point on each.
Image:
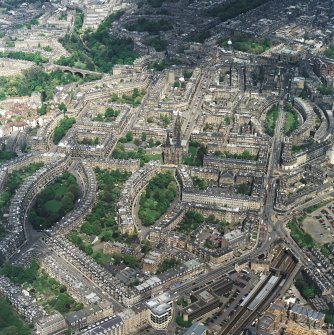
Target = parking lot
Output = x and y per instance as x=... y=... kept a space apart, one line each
x=320 y=225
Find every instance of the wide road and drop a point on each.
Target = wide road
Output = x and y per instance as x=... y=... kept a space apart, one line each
x=195 y=107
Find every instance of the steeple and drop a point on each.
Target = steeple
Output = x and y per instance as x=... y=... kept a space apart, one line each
x=177 y=132
x=168 y=143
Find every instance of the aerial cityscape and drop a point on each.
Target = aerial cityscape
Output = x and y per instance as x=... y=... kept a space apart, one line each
x=167 y=167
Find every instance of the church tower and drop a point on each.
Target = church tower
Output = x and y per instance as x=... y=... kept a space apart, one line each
x=167 y=154
x=177 y=131
x=172 y=151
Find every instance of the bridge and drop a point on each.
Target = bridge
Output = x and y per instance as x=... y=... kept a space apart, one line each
x=73 y=70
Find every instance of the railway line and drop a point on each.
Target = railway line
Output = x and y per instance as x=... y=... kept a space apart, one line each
x=207 y=277
x=262 y=295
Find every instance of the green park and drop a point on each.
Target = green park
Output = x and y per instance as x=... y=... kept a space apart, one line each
x=157 y=197
x=54 y=202
x=270 y=122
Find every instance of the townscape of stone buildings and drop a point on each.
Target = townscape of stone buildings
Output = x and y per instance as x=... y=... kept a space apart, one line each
x=207 y=119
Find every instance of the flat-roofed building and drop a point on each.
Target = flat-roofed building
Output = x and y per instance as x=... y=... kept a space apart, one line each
x=161 y=311
x=196 y=329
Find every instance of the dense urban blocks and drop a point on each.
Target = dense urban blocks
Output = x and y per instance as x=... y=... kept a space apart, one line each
x=234 y=8
x=155 y=200
x=151 y=26
x=13 y=182
x=56 y=200
x=208 y=112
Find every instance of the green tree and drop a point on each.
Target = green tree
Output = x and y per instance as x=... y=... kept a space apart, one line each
x=129 y=136
x=60 y=131
x=97 y=50
x=154 y=201
x=62 y=107
x=88 y=250
x=151 y=143
x=54 y=202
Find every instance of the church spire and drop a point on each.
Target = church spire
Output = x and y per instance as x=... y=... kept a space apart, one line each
x=168 y=143
x=177 y=131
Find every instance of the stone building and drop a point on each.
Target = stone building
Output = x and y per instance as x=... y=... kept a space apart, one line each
x=53 y=324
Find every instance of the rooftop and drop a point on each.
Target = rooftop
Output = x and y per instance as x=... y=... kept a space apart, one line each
x=196 y=329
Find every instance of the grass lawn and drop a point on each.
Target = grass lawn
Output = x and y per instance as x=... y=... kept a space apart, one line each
x=248 y=46
x=47 y=291
x=153 y=157
x=271 y=118
x=196 y=152
x=296 y=149
x=51 y=295
x=291 y=120
x=192 y=151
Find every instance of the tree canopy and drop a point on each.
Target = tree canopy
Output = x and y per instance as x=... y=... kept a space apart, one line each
x=36 y=79
x=155 y=200
x=54 y=202
x=10 y=324
x=98 y=51
x=60 y=131
x=35 y=57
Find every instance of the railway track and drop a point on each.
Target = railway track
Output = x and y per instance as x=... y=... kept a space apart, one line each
x=265 y=292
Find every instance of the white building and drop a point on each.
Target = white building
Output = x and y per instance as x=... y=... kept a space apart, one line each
x=161 y=311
